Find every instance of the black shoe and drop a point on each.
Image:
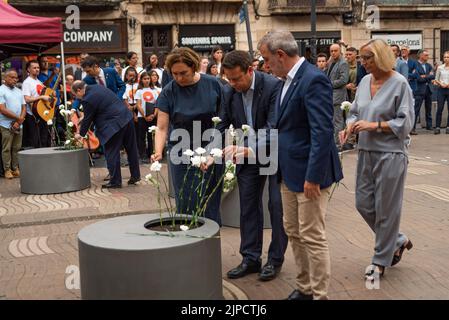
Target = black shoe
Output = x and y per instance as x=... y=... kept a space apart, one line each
x=107 y=178
x=413 y=133
x=269 y=271
x=111 y=186
x=298 y=295
x=243 y=269
x=133 y=180
x=436 y=131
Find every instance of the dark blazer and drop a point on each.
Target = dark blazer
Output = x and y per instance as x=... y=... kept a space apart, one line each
x=423 y=83
x=113 y=81
x=108 y=113
x=78 y=74
x=307 y=150
x=266 y=89
x=412 y=74
x=361 y=72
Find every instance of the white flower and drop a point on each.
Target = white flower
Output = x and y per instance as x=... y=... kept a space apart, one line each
x=86 y=136
x=152 y=129
x=62 y=112
x=70 y=124
x=216 y=120
x=196 y=161
x=188 y=153
x=50 y=122
x=217 y=153
x=183 y=227
x=156 y=166
x=229 y=163
x=68 y=141
x=203 y=159
x=229 y=176
x=225 y=190
x=151 y=180
x=346 y=105
x=68 y=103
x=81 y=107
x=46 y=112
x=246 y=128
x=61 y=106
x=148 y=177
x=200 y=151
x=232 y=131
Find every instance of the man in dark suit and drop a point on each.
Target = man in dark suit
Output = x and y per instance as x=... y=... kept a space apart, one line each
x=308 y=159
x=249 y=99
x=107 y=77
x=114 y=127
x=79 y=73
x=425 y=75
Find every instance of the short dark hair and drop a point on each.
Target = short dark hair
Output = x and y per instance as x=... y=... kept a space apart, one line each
x=130 y=54
x=30 y=62
x=209 y=67
x=89 y=62
x=237 y=58
x=183 y=55
x=322 y=55
x=77 y=85
x=396 y=46
x=352 y=49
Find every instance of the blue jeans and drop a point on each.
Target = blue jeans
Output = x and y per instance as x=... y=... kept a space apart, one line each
x=189 y=192
x=443 y=96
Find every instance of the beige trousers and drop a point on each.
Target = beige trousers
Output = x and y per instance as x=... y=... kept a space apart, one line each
x=304 y=223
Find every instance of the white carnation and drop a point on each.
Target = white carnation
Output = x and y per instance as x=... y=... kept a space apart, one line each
x=200 y=151
x=217 y=153
x=155 y=166
x=229 y=176
x=183 y=227
x=188 y=153
x=70 y=124
x=196 y=161
x=68 y=141
x=216 y=120
x=152 y=129
x=246 y=127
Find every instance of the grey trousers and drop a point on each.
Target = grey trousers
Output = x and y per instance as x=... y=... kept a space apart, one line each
x=339 y=123
x=378 y=198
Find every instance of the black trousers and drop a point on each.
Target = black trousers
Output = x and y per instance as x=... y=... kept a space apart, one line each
x=427 y=98
x=125 y=137
x=36 y=132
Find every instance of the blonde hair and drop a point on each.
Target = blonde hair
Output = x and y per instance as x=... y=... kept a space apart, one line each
x=383 y=55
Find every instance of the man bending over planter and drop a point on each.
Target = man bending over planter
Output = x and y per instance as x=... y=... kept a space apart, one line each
x=114 y=127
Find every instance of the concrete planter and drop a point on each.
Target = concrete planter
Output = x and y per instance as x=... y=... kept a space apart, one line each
x=51 y=170
x=121 y=259
x=230 y=208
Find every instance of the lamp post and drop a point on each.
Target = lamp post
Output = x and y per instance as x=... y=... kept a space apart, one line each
x=313 y=39
x=248 y=29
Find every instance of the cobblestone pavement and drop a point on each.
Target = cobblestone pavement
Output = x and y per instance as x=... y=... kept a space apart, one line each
x=39 y=256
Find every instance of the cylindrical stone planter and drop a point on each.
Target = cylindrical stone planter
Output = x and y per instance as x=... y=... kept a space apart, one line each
x=53 y=170
x=121 y=259
x=230 y=208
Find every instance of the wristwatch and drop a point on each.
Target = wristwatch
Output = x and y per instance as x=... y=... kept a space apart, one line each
x=379 y=127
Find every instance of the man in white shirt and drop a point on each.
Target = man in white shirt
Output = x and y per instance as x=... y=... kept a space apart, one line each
x=36 y=130
x=308 y=159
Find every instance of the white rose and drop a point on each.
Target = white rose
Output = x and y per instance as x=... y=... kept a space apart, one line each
x=183 y=227
x=200 y=151
x=50 y=122
x=229 y=176
x=152 y=129
x=46 y=112
x=188 y=153
x=70 y=124
x=196 y=161
x=61 y=106
x=68 y=141
x=217 y=153
x=346 y=105
x=245 y=127
x=156 y=166
x=216 y=120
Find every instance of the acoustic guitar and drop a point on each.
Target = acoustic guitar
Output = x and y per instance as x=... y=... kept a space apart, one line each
x=92 y=143
x=40 y=106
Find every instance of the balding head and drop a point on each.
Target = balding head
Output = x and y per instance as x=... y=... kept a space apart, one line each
x=79 y=89
x=11 y=78
x=335 y=50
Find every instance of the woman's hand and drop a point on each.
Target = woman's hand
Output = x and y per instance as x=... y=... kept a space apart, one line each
x=363 y=125
x=205 y=166
x=343 y=135
x=156 y=157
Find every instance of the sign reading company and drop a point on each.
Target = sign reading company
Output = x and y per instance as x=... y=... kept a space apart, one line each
x=94 y=36
x=202 y=38
x=411 y=40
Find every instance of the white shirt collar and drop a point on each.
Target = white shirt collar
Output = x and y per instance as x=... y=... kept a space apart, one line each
x=292 y=73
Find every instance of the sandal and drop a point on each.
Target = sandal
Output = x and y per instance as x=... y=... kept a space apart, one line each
x=396 y=258
x=374 y=271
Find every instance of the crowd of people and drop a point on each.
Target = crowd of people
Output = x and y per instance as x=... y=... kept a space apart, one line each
x=279 y=90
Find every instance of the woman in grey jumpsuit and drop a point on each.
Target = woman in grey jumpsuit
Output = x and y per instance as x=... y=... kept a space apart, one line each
x=383 y=116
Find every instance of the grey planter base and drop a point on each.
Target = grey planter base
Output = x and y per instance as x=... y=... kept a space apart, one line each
x=230 y=208
x=49 y=170
x=121 y=259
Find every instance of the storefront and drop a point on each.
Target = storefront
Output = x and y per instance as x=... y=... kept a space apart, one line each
x=202 y=38
x=413 y=40
x=324 y=40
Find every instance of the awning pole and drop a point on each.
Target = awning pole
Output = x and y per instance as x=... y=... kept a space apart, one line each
x=63 y=74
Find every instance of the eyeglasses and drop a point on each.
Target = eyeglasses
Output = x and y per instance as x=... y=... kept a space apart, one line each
x=366 y=57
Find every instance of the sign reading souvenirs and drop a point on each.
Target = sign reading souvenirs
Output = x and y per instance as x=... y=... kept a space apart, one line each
x=411 y=40
x=204 y=38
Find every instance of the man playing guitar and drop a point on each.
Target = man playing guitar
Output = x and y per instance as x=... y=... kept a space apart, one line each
x=36 y=132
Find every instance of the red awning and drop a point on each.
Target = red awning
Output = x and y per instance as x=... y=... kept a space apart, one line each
x=23 y=33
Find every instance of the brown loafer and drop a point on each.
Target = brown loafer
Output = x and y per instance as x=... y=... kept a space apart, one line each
x=396 y=258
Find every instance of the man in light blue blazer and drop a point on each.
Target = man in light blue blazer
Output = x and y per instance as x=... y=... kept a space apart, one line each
x=308 y=159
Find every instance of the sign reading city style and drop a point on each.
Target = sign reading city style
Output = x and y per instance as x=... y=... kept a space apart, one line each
x=91 y=36
x=411 y=40
x=204 y=38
